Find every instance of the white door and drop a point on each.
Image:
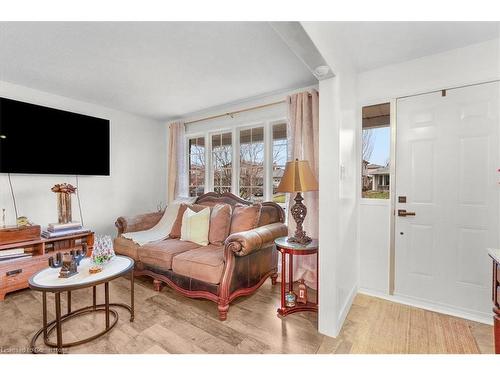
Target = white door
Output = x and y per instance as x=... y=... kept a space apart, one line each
x=447 y=161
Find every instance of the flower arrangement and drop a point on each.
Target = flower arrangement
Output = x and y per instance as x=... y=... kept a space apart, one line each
x=103 y=250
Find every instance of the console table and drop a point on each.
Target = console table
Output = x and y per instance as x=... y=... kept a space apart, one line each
x=295 y=249
x=15 y=273
x=495 y=255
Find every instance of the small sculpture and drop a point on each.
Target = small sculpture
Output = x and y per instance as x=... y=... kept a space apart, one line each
x=64 y=192
x=290 y=298
x=68 y=262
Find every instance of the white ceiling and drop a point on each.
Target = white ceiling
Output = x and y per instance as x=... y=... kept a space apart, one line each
x=154 y=69
x=374 y=44
x=168 y=69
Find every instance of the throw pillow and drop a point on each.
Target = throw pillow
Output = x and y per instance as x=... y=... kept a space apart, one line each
x=175 y=232
x=220 y=223
x=245 y=217
x=195 y=226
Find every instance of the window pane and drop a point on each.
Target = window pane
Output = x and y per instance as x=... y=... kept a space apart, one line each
x=222 y=162
x=196 y=166
x=280 y=151
x=376 y=147
x=252 y=163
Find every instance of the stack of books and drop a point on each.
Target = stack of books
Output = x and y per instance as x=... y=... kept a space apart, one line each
x=13 y=254
x=61 y=230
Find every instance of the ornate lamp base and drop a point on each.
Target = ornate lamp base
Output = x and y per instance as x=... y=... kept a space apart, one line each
x=299 y=212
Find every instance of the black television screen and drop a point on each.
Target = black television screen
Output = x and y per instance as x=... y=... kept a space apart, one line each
x=41 y=140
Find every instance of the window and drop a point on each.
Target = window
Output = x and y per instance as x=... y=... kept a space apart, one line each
x=222 y=165
x=259 y=153
x=252 y=164
x=196 y=166
x=376 y=147
x=280 y=152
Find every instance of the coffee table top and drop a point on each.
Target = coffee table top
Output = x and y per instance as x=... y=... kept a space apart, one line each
x=48 y=279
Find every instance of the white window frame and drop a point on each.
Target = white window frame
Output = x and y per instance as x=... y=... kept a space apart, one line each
x=235 y=131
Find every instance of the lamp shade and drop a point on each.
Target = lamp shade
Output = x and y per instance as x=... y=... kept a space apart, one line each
x=297 y=177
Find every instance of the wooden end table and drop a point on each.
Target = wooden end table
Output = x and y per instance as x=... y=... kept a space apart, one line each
x=48 y=281
x=294 y=249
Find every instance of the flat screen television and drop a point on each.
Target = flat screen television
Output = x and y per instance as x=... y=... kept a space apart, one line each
x=42 y=140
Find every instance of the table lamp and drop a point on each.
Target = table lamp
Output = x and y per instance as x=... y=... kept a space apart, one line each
x=297 y=178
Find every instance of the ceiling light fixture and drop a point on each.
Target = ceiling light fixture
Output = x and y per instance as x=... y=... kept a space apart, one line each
x=321 y=71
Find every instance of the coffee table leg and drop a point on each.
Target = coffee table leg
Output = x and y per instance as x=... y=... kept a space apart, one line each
x=132 y=296
x=58 y=323
x=94 y=297
x=69 y=301
x=106 y=302
x=44 y=314
x=290 y=272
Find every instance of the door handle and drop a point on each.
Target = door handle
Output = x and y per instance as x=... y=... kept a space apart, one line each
x=405 y=213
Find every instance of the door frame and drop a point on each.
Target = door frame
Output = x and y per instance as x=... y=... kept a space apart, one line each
x=393 y=114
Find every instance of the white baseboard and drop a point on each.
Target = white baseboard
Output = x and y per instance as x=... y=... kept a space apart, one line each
x=427 y=305
x=346 y=308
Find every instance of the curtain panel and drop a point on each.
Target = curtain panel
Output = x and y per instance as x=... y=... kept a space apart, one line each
x=177 y=175
x=303 y=141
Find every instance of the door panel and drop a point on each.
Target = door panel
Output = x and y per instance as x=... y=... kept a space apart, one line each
x=447 y=153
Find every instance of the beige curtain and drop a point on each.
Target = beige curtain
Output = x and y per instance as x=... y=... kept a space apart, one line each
x=303 y=133
x=177 y=180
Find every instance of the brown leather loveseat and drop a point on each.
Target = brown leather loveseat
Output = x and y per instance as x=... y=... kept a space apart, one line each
x=220 y=273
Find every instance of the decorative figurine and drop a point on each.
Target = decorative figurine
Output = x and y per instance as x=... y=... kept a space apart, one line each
x=23 y=221
x=68 y=268
x=68 y=262
x=290 y=299
x=302 y=296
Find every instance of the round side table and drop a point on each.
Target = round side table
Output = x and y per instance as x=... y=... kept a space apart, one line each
x=48 y=281
x=292 y=249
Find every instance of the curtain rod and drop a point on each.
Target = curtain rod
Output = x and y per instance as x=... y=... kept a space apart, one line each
x=231 y=114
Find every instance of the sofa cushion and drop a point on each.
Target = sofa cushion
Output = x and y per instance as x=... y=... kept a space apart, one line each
x=175 y=232
x=195 y=226
x=127 y=247
x=220 y=224
x=245 y=217
x=160 y=254
x=205 y=263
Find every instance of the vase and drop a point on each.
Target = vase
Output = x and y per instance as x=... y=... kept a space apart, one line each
x=64 y=208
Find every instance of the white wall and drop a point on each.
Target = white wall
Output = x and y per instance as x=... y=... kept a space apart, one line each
x=338 y=176
x=138 y=169
x=472 y=64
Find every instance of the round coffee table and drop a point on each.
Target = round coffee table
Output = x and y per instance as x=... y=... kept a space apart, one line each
x=48 y=281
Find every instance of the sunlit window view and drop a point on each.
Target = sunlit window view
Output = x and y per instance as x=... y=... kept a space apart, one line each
x=376 y=147
x=252 y=164
x=280 y=151
x=196 y=166
x=222 y=165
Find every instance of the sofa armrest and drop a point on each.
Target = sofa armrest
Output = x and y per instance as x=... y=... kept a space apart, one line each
x=137 y=223
x=244 y=243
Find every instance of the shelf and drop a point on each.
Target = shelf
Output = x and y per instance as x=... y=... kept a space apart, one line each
x=309 y=306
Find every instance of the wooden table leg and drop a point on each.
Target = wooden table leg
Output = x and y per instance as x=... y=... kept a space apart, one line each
x=69 y=301
x=58 y=323
x=44 y=314
x=283 y=279
x=132 y=296
x=496 y=333
x=94 y=297
x=106 y=303
x=290 y=272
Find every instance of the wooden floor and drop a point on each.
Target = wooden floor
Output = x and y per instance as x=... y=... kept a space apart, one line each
x=166 y=322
